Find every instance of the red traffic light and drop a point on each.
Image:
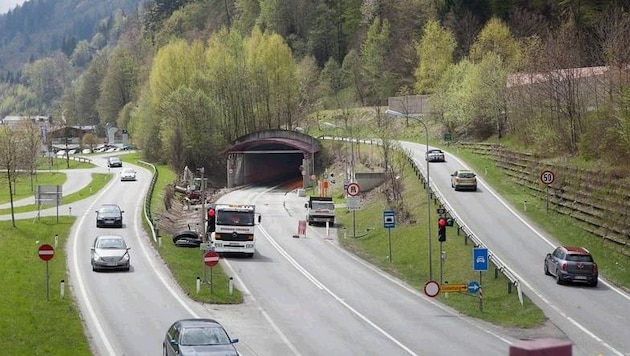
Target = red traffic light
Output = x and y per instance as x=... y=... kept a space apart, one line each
x=441 y=222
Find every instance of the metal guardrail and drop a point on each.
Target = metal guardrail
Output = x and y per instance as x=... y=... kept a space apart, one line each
x=147 y=202
x=500 y=266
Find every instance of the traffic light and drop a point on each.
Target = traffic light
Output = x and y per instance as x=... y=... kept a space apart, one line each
x=211 y=220
x=442 y=229
x=450 y=221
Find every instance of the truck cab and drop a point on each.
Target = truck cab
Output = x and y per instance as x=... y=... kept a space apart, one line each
x=320 y=210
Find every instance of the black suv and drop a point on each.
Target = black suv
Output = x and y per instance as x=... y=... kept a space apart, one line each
x=571 y=264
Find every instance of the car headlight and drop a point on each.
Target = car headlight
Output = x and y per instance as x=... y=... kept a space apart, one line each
x=96 y=257
x=125 y=257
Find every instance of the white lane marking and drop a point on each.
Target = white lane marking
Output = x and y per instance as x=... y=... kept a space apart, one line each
x=320 y=285
x=536 y=292
x=82 y=288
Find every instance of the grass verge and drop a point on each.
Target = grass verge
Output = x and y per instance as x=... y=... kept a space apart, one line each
x=99 y=180
x=409 y=256
x=613 y=265
x=31 y=324
x=186 y=264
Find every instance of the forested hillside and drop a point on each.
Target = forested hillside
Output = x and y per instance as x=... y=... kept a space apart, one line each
x=187 y=76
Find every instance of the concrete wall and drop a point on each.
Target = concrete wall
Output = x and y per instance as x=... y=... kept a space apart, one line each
x=369 y=180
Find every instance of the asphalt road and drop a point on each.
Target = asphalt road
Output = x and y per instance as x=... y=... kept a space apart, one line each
x=307 y=296
x=594 y=319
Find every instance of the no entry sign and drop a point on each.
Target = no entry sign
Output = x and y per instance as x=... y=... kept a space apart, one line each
x=46 y=252
x=211 y=258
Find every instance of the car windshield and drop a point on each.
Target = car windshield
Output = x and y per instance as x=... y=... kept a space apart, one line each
x=110 y=244
x=109 y=209
x=323 y=206
x=235 y=218
x=466 y=175
x=193 y=336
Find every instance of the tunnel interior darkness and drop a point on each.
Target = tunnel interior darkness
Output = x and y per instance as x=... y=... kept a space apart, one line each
x=266 y=164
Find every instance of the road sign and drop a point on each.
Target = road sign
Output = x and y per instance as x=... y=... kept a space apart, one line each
x=480 y=259
x=431 y=288
x=353 y=203
x=389 y=219
x=473 y=287
x=46 y=252
x=452 y=288
x=353 y=189
x=211 y=258
x=547 y=177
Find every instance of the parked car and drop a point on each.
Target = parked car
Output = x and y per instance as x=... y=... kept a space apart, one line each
x=114 y=162
x=110 y=252
x=434 y=155
x=109 y=215
x=464 y=179
x=127 y=174
x=198 y=337
x=571 y=264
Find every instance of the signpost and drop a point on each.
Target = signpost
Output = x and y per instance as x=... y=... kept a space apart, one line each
x=432 y=288
x=547 y=177
x=453 y=288
x=389 y=222
x=210 y=259
x=46 y=253
x=353 y=189
x=480 y=263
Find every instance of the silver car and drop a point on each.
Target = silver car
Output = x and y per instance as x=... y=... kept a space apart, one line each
x=434 y=155
x=127 y=174
x=110 y=252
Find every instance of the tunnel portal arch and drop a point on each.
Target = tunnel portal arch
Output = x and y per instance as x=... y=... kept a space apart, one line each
x=270 y=155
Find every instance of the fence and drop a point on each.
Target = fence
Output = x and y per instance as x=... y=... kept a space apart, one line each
x=147 y=202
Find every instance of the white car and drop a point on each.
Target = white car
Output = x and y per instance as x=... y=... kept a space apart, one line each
x=127 y=174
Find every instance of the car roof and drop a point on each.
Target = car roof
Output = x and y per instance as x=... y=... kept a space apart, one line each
x=465 y=171
x=435 y=150
x=198 y=322
x=117 y=237
x=576 y=250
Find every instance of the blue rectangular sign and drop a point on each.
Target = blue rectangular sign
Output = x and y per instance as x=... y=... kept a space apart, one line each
x=389 y=220
x=480 y=259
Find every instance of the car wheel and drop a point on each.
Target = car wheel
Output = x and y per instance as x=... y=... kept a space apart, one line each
x=164 y=350
x=249 y=255
x=558 y=280
x=547 y=270
x=594 y=283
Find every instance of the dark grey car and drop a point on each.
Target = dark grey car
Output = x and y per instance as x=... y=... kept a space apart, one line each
x=110 y=252
x=572 y=264
x=198 y=337
x=109 y=215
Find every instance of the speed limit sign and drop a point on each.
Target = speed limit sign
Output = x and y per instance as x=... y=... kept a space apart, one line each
x=547 y=177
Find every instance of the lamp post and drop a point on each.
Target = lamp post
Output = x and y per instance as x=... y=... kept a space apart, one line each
x=427 y=188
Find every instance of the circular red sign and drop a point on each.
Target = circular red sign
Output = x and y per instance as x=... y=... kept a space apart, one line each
x=46 y=252
x=211 y=258
x=547 y=177
x=432 y=288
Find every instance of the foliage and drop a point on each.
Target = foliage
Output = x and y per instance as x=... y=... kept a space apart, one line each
x=435 y=52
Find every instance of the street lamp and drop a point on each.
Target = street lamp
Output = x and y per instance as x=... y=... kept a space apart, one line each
x=426 y=130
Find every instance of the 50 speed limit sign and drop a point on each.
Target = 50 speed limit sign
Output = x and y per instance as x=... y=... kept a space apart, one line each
x=547 y=177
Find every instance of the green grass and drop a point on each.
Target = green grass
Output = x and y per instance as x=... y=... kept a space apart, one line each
x=613 y=265
x=99 y=180
x=186 y=263
x=409 y=257
x=31 y=324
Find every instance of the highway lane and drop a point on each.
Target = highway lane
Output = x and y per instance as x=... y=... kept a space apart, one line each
x=326 y=301
x=128 y=313
x=593 y=318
